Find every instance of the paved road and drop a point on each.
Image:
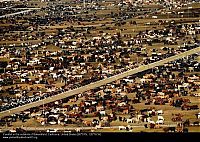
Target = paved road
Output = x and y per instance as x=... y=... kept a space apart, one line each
x=98 y=83
x=74 y=26
x=16 y=13
x=6 y=7
x=45 y=128
x=30 y=8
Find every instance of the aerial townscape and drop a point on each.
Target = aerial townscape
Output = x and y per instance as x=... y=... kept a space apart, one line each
x=127 y=66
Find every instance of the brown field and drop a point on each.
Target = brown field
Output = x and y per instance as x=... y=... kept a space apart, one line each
x=128 y=29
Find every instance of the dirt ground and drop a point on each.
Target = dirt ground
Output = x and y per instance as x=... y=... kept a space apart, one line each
x=129 y=29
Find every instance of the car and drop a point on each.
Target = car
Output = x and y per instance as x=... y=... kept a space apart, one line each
x=12 y=131
x=66 y=131
x=52 y=130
